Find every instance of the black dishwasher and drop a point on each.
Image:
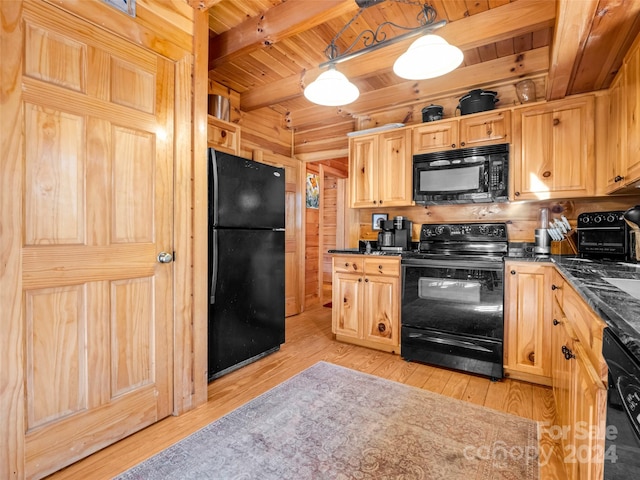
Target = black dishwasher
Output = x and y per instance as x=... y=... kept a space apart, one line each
x=622 y=444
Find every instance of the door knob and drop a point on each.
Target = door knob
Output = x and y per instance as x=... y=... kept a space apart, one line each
x=165 y=257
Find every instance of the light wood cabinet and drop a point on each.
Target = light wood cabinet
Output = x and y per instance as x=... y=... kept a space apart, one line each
x=615 y=161
x=553 y=154
x=631 y=97
x=467 y=131
x=435 y=136
x=223 y=136
x=527 y=321
x=622 y=137
x=380 y=169
x=366 y=301
x=578 y=374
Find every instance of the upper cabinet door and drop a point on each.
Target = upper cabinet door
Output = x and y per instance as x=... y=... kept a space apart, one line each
x=435 y=137
x=554 y=150
x=395 y=168
x=363 y=155
x=632 y=117
x=615 y=162
x=489 y=128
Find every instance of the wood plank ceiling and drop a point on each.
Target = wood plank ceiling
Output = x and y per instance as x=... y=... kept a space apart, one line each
x=268 y=50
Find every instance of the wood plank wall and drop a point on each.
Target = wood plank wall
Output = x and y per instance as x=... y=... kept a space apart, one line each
x=329 y=232
x=521 y=217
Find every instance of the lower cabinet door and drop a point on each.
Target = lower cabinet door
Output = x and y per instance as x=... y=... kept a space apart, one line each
x=347 y=304
x=381 y=310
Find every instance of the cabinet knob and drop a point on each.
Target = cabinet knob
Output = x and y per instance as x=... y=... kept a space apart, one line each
x=513 y=272
x=556 y=322
x=346 y=264
x=359 y=280
x=223 y=133
x=380 y=267
x=382 y=327
x=380 y=202
x=618 y=178
x=453 y=145
x=532 y=357
x=555 y=287
x=366 y=280
x=375 y=202
x=568 y=354
x=556 y=122
x=517 y=194
x=462 y=144
x=546 y=174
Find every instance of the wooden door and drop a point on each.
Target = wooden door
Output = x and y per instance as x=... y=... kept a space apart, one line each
x=395 y=181
x=98 y=191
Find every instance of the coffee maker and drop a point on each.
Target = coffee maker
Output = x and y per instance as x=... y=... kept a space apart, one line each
x=395 y=234
x=386 y=237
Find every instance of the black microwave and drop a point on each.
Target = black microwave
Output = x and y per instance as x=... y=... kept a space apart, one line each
x=466 y=175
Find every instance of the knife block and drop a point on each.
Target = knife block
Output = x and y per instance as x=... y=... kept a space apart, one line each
x=561 y=248
x=567 y=246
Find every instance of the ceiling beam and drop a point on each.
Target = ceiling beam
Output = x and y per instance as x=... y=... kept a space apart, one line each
x=575 y=19
x=282 y=21
x=494 y=25
x=499 y=71
x=202 y=4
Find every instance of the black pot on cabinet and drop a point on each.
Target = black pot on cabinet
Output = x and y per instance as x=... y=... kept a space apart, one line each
x=432 y=113
x=478 y=101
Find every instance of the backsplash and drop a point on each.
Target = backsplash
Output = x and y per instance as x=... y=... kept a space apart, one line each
x=521 y=217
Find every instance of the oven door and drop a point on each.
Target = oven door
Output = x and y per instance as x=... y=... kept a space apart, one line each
x=452 y=313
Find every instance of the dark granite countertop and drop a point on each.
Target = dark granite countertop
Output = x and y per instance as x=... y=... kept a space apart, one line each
x=616 y=307
x=620 y=310
x=356 y=251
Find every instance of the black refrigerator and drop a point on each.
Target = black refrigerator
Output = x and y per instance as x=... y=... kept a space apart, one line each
x=246 y=261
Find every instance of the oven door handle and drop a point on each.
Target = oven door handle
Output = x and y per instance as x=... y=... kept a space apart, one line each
x=475 y=264
x=449 y=341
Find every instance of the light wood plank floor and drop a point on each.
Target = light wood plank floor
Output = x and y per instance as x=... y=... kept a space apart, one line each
x=309 y=340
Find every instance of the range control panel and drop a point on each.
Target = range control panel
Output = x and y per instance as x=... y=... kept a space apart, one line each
x=464 y=232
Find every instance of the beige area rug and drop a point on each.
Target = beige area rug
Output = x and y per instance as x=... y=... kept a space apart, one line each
x=330 y=422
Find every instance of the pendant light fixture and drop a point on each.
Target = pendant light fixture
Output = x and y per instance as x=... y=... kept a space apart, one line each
x=427 y=57
x=331 y=89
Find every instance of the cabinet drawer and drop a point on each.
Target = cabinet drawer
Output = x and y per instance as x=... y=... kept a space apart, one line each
x=348 y=264
x=382 y=266
x=223 y=136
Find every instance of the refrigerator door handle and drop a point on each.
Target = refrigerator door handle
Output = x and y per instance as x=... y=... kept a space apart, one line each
x=213 y=188
x=214 y=265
